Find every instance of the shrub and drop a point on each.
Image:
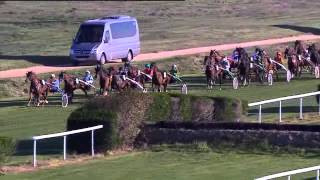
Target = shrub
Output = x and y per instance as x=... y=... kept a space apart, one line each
x=7 y=147
x=160 y=108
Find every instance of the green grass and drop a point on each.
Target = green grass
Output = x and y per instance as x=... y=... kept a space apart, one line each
x=177 y=165
x=41 y=32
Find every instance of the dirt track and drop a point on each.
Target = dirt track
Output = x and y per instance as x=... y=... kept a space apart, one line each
x=160 y=55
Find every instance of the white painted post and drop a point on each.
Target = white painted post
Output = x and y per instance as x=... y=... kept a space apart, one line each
x=92 y=143
x=34 y=153
x=280 y=112
x=289 y=177
x=319 y=105
x=64 y=147
x=300 y=116
x=260 y=114
x=318 y=173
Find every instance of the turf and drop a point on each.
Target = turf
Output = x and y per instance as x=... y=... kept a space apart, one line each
x=41 y=32
x=177 y=165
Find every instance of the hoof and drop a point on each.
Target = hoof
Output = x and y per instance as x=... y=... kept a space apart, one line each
x=46 y=101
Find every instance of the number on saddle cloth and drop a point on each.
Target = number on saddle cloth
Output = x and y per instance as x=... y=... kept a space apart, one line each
x=164 y=74
x=43 y=82
x=77 y=81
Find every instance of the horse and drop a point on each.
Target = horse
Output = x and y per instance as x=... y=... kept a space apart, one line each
x=212 y=70
x=37 y=89
x=160 y=79
x=293 y=63
x=243 y=66
x=259 y=66
x=302 y=55
x=105 y=79
x=314 y=58
x=134 y=74
x=71 y=83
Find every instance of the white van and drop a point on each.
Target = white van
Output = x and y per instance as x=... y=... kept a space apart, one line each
x=105 y=39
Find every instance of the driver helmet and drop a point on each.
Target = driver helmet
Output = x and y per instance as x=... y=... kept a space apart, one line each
x=53 y=76
x=87 y=72
x=147 y=65
x=174 y=66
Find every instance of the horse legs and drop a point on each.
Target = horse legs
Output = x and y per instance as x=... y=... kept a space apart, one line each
x=29 y=101
x=220 y=81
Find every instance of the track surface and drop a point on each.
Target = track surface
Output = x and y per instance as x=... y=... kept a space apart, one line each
x=160 y=55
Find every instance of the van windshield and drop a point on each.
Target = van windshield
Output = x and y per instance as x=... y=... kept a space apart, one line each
x=90 y=33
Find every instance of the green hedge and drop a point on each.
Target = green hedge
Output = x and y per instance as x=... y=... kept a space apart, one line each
x=122 y=115
x=7 y=148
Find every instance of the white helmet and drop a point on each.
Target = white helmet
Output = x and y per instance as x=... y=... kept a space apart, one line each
x=174 y=66
x=53 y=76
x=87 y=71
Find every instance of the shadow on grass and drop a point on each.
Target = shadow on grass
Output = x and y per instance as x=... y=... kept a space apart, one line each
x=49 y=146
x=54 y=101
x=57 y=61
x=304 y=29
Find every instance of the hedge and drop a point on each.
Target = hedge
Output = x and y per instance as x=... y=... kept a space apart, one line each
x=122 y=115
x=7 y=148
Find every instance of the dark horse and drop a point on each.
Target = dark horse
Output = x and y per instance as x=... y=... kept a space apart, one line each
x=71 y=84
x=315 y=58
x=105 y=79
x=244 y=66
x=37 y=89
x=302 y=54
x=293 y=63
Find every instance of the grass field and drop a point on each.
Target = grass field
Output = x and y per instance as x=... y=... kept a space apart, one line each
x=41 y=32
x=177 y=165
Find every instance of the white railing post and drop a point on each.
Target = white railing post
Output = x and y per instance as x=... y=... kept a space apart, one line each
x=260 y=114
x=34 y=153
x=300 y=114
x=92 y=143
x=280 y=112
x=288 y=174
x=319 y=105
x=64 y=134
x=64 y=147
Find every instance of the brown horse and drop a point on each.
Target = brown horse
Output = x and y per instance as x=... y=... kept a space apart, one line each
x=160 y=79
x=71 y=84
x=105 y=79
x=293 y=63
x=37 y=90
x=212 y=70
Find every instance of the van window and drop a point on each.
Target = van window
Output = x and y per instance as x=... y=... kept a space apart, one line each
x=90 y=33
x=106 y=37
x=123 y=29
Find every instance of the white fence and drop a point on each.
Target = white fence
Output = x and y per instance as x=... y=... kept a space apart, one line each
x=300 y=96
x=64 y=134
x=290 y=173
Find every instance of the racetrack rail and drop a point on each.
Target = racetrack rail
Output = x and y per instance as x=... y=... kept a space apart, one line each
x=161 y=55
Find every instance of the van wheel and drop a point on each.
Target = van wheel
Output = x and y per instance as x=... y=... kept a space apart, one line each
x=103 y=59
x=128 y=58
